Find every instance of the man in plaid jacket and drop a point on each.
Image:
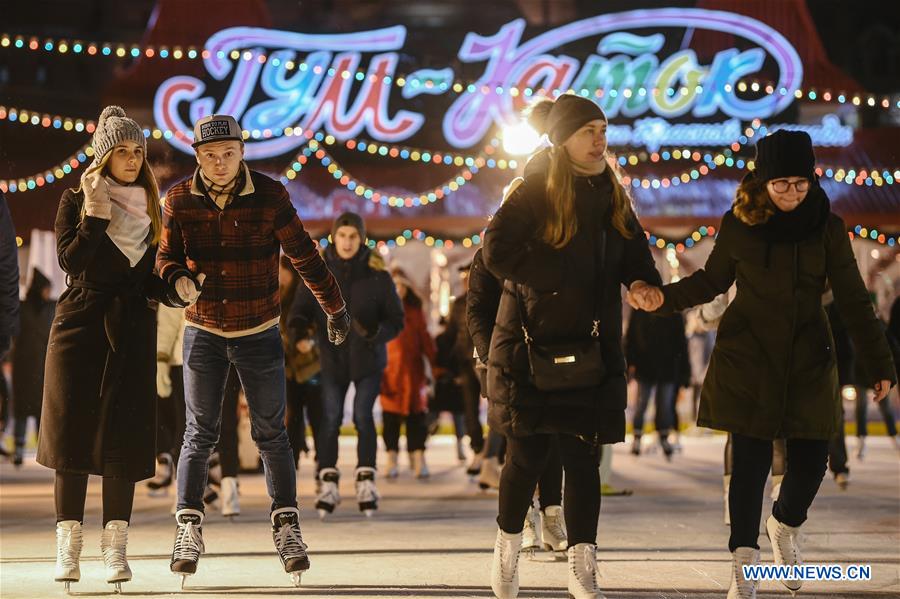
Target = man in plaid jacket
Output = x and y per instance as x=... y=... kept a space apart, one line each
x=222 y=229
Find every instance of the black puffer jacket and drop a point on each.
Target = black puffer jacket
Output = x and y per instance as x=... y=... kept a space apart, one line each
x=373 y=304
x=482 y=302
x=559 y=290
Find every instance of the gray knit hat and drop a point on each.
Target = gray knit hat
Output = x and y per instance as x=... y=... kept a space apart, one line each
x=114 y=127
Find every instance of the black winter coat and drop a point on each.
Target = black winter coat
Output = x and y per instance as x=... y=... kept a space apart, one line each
x=772 y=373
x=560 y=289
x=482 y=302
x=9 y=279
x=374 y=306
x=29 y=354
x=656 y=347
x=100 y=376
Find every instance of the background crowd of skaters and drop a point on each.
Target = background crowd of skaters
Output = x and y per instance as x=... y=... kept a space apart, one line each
x=390 y=354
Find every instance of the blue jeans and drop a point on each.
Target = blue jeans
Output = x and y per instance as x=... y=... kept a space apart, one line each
x=334 y=390
x=664 y=396
x=259 y=361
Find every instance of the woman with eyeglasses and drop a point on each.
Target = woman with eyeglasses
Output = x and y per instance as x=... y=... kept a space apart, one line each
x=772 y=374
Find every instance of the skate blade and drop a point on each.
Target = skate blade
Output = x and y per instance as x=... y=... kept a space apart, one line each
x=68 y=586
x=296 y=578
x=529 y=552
x=184 y=577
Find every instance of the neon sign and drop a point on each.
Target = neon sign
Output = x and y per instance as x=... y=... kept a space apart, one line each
x=332 y=90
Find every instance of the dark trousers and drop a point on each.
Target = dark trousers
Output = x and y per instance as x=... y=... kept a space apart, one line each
x=70 y=491
x=550 y=484
x=778 y=457
x=259 y=360
x=416 y=430
x=751 y=461
x=862 y=416
x=526 y=461
x=471 y=390
x=302 y=396
x=837 y=451
x=227 y=447
x=334 y=391
x=664 y=399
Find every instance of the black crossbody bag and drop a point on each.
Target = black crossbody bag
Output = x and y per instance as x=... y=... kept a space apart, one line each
x=568 y=365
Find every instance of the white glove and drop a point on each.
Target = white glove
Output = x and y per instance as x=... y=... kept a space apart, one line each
x=188 y=290
x=96 y=196
x=163 y=379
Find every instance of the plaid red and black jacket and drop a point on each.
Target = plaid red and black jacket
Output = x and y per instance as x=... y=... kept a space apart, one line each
x=237 y=248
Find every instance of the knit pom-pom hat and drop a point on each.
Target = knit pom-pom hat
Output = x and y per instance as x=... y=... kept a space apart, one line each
x=114 y=127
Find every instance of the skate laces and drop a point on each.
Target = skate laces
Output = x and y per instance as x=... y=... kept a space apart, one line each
x=554 y=526
x=737 y=572
x=113 y=542
x=366 y=491
x=68 y=547
x=188 y=543
x=587 y=576
x=509 y=559
x=289 y=541
x=329 y=493
x=788 y=543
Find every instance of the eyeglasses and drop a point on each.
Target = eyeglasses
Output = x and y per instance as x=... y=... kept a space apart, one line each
x=783 y=185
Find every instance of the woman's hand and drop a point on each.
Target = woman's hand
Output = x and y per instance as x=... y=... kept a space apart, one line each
x=96 y=196
x=882 y=388
x=642 y=296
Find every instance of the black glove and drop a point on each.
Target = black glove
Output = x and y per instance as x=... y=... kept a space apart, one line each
x=338 y=326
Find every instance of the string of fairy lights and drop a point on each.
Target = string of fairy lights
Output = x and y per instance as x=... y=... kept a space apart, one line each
x=189 y=53
x=316 y=144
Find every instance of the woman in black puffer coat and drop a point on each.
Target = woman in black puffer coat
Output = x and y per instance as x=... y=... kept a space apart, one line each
x=563 y=243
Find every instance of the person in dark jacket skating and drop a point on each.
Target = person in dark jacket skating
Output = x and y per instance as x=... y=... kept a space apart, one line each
x=772 y=373
x=377 y=318
x=563 y=243
x=543 y=527
x=657 y=356
x=99 y=405
x=28 y=356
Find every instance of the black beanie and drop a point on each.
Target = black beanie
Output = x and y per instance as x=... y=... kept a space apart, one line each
x=350 y=219
x=561 y=118
x=785 y=154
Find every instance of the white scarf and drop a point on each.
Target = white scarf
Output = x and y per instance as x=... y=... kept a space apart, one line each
x=129 y=227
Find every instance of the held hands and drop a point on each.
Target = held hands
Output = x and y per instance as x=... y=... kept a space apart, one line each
x=338 y=326
x=642 y=296
x=188 y=289
x=882 y=388
x=96 y=196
